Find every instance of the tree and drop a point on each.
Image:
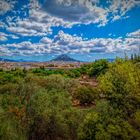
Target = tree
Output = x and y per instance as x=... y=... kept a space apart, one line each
x=104 y=124
x=10 y=128
x=98 y=67
x=120 y=85
x=50 y=112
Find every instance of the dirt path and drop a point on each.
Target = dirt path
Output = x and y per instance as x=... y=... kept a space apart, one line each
x=89 y=81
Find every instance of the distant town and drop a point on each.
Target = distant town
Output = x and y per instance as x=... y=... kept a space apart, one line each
x=61 y=62
x=47 y=65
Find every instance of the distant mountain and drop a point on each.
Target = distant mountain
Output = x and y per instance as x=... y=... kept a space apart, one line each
x=65 y=58
x=108 y=59
x=111 y=60
x=18 y=60
x=11 y=60
x=60 y=58
x=7 y=60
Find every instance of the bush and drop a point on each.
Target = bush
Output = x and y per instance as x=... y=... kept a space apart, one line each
x=104 y=124
x=85 y=95
x=58 y=83
x=8 y=88
x=120 y=85
x=51 y=116
x=10 y=128
x=84 y=68
x=98 y=67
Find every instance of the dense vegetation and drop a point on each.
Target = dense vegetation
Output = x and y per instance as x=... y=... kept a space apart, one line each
x=44 y=104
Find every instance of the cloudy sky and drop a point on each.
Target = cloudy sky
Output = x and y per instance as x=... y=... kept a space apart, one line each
x=84 y=29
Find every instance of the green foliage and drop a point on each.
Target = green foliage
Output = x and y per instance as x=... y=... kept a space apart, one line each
x=9 y=101
x=51 y=116
x=74 y=73
x=42 y=104
x=121 y=86
x=10 y=128
x=85 y=95
x=49 y=101
x=88 y=128
x=135 y=58
x=84 y=68
x=7 y=77
x=58 y=83
x=103 y=124
x=99 y=67
x=8 y=88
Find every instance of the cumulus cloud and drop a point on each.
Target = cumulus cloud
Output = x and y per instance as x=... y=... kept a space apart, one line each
x=65 y=13
x=135 y=34
x=123 y=6
x=38 y=23
x=46 y=40
x=85 y=11
x=66 y=43
x=89 y=11
x=6 y=5
x=3 y=37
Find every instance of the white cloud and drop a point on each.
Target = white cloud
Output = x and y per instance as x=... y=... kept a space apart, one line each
x=78 y=11
x=89 y=11
x=66 y=13
x=38 y=23
x=25 y=32
x=3 y=37
x=119 y=8
x=6 y=5
x=66 y=43
x=46 y=40
x=135 y=34
x=14 y=36
x=116 y=18
x=123 y=6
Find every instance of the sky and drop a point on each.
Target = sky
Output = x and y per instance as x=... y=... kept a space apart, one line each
x=86 y=30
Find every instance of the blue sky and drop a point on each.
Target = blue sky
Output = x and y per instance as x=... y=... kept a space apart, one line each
x=84 y=29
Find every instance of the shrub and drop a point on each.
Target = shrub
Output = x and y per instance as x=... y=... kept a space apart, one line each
x=10 y=128
x=103 y=124
x=85 y=95
x=58 y=83
x=120 y=85
x=49 y=111
x=98 y=67
x=8 y=88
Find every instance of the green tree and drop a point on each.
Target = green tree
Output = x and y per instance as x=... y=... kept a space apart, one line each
x=10 y=129
x=120 y=85
x=51 y=116
x=98 y=67
x=104 y=123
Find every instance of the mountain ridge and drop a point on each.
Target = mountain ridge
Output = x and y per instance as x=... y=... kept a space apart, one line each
x=60 y=58
x=65 y=58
